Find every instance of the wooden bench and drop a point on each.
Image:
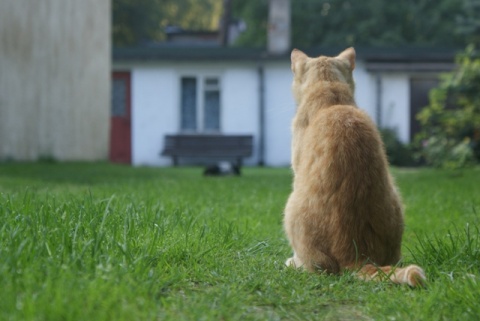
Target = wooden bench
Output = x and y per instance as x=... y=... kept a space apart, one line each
x=224 y=147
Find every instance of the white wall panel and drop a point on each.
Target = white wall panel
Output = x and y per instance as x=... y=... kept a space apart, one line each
x=154 y=113
x=280 y=109
x=365 y=89
x=240 y=105
x=396 y=104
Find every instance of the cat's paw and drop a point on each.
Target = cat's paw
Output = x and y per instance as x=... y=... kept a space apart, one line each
x=415 y=276
x=290 y=262
x=294 y=262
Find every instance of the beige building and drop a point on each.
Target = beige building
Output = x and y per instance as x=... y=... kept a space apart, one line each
x=54 y=79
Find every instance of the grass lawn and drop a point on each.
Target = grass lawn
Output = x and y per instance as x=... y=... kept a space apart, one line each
x=106 y=242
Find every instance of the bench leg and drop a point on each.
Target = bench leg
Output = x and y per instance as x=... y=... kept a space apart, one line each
x=175 y=161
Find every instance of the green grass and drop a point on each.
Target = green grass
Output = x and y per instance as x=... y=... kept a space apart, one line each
x=106 y=242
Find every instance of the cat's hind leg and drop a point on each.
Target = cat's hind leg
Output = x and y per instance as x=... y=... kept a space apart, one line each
x=313 y=260
x=411 y=275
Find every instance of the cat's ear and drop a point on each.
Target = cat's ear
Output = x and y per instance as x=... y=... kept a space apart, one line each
x=349 y=56
x=297 y=56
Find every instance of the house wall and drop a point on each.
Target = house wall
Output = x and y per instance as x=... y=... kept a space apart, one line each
x=153 y=112
x=54 y=79
x=386 y=98
x=365 y=90
x=280 y=109
x=280 y=106
x=395 y=102
x=156 y=104
x=240 y=103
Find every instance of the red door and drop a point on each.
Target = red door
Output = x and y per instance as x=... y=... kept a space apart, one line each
x=120 y=123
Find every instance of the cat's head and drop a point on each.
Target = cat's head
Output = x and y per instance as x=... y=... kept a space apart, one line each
x=309 y=71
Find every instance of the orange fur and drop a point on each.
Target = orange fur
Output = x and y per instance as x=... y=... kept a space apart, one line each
x=344 y=210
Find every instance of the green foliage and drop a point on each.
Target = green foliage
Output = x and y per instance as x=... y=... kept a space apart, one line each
x=468 y=22
x=314 y=22
x=360 y=23
x=440 y=151
x=137 y=21
x=374 y=23
x=255 y=15
x=450 y=135
x=398 y=153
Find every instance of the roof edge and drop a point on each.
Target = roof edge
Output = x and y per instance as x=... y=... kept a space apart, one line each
x=217 y=53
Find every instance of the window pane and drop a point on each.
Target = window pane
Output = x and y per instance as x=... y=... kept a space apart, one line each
x=188 y=104
x=212 y=111
x=119 y=94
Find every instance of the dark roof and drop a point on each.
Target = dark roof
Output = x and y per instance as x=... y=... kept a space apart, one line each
x=408 y=54
x=377 y=59
x=419 y=59
x=187 y=53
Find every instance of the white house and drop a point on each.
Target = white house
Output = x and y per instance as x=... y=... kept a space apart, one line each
x=176 y=89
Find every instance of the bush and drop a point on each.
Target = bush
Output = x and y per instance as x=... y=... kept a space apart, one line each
x=450 y=135
x=440 y=151
x=398 y=154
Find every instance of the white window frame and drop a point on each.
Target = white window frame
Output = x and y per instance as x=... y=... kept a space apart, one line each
x=201 y=89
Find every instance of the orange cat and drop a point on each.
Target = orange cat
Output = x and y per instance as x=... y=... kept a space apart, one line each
x=344 y=211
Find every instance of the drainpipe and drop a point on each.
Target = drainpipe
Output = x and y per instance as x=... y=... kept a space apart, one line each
x=378 y=112
x=261 y=115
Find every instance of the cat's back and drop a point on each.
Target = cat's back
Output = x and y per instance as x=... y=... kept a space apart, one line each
x=345 y=131
x=341 y=144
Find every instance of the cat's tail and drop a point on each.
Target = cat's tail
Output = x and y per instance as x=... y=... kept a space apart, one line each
x=412 y=275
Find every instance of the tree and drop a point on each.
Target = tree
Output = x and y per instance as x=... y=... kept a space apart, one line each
x=255 y=15
x=360 y=23
x=450 y=135
x=468 y=22
x=314 y=22
x=134 y=21
x=138 y=21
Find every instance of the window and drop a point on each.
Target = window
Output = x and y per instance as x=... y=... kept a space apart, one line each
x=189 y=104
x=200 y=104
x=119 y=94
